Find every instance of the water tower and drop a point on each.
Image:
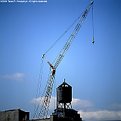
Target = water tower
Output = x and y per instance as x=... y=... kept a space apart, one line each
x=64 y=96
x=64 y=111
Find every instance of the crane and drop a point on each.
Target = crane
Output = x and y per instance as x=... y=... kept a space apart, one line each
x=49 y=86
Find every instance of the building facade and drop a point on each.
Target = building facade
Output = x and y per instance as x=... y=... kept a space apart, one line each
x=14 y=115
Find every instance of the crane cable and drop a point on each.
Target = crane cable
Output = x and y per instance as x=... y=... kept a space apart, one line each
x=36 y=106
x=43 y=55
x=93 y=31
x=60 y=37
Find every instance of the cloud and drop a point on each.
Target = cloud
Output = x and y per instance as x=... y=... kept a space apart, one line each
x=38 y=101
x=101 y=115
x=77 y=104
x=81 y=106
x=15 y=76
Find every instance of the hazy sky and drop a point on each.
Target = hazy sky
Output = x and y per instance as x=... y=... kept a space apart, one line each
x=27 y=30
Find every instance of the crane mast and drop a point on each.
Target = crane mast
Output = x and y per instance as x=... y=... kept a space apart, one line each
x=48 y=91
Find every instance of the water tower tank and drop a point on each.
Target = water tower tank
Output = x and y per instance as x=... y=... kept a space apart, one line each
x=64 y=93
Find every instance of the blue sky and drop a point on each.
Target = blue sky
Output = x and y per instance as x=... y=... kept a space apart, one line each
x=27 y=30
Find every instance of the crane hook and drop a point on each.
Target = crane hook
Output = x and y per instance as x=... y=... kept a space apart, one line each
x=93 y=41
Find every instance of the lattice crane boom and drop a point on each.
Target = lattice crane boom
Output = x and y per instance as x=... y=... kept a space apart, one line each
x=48 y=92
x=73 y=35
